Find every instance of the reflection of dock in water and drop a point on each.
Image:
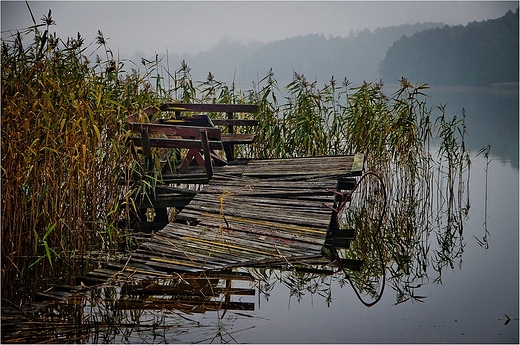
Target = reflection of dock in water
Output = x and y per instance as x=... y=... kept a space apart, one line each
x=263 y=212
x=191 y=293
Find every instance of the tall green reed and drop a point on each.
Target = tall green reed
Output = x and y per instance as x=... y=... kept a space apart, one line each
x=63 y=153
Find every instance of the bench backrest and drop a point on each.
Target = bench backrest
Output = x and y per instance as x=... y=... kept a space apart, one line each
x=229 y=109
x=186 y=132
x=190 y=127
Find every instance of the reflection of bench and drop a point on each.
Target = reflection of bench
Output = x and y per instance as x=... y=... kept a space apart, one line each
x=229 y=139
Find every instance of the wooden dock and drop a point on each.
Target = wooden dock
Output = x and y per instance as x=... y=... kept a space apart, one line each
x=271 y=212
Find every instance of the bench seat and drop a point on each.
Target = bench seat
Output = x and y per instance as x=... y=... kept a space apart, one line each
x=234 y=122
x=235 y=138
x=179 y=143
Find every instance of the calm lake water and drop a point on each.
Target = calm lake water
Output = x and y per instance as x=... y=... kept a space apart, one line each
x=469 y=305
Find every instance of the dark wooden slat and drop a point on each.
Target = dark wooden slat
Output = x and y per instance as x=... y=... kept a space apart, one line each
x=206 y=148
x=178 y=143
x=235 y=122
x=147 y=150
x=190 y=306
x=237 y=138
x=211 y=108
x=192 y=132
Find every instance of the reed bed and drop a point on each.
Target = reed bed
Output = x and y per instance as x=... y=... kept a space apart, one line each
x=63 y=154
x=64 y=151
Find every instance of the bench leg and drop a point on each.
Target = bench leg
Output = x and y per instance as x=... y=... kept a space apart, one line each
x=207 y=152
x=230 y=152
x=192 y=153
x=205 y=162
x=219 y=161
x=147 y=150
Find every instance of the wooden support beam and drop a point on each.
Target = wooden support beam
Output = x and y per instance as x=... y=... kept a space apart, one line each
x=192 y=154
x=230 y=148
x=207 y=152
x=235 y=122
x=147 y=150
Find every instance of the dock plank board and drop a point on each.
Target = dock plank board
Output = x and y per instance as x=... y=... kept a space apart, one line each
x=249 y=214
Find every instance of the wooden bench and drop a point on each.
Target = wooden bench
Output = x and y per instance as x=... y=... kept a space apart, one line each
x=196 y=133
x=200 y=141
x=229 y=139
x=195 y=139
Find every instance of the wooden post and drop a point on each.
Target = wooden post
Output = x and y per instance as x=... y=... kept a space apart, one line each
x=207 y=152
x=147 y=149
x=230 y=149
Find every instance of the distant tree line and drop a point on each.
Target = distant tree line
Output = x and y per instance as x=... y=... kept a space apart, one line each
x=356 y=57
x=480 y=53
x=318 y=57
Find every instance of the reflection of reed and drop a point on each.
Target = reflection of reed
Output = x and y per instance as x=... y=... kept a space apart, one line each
x=300 y=282
x=427 y=199
x=484 y=241
x=345 y=229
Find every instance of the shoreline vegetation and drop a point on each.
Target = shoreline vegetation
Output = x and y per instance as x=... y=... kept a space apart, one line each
x=64 y=151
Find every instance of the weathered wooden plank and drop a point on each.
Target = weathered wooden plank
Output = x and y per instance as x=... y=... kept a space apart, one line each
x=306 y=229
x=235 y=122
x=194 y=258
x=248 y=186
x=163 y=267
x=178 y=143
x=267 y=232
x=302 y=204
x=210 y=108
x=263 y=244
x=261 y=237
x=235 y=245
x=238 y=138
x=185 y=132
x=201 y=251
x=327 y=166
x=254 y=214
x=280 y=218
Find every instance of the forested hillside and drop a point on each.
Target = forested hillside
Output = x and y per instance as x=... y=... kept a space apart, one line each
x=356 y=57
x=480 y=53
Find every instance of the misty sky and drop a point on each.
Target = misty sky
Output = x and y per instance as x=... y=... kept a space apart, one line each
x=189 y=27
